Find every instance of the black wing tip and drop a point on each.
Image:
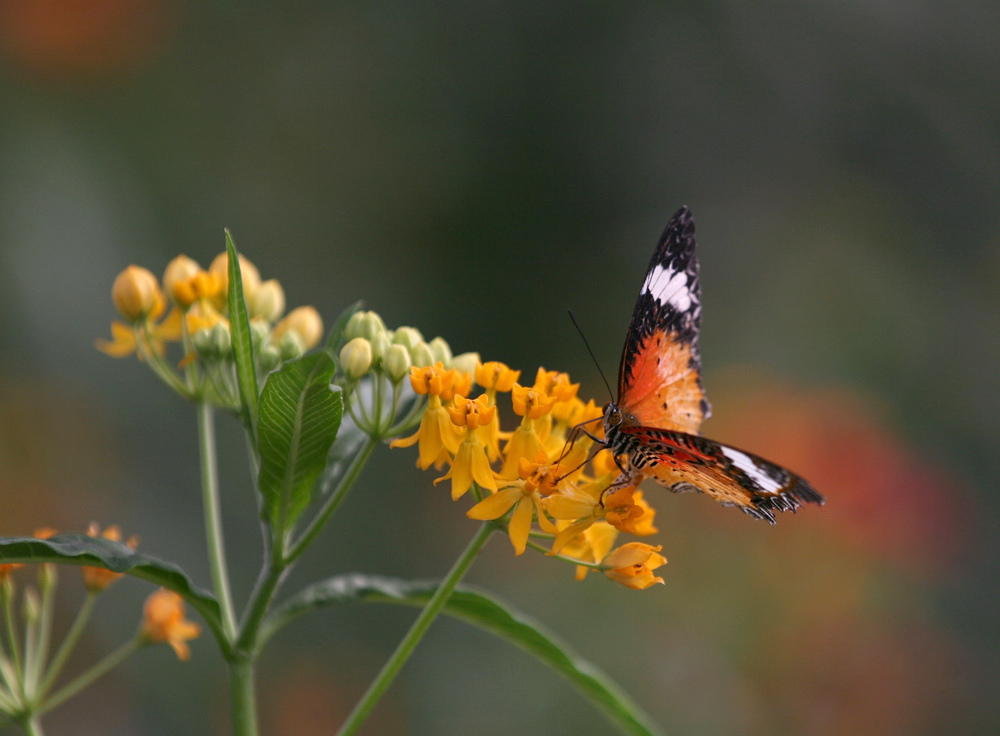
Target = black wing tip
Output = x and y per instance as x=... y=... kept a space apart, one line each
x=677 y=243
x=798 y=494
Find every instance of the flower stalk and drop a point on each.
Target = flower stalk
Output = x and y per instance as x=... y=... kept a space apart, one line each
x=409 y=642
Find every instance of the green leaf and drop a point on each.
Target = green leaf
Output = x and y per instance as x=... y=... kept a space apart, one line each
x=80 y=549
x=239 y=327
x=337 y=331
x=478 y=609
x=299 y=418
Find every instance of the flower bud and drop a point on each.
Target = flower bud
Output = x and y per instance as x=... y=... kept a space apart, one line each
x=370 y=325
x=177 y=278
x=269 y=357
x=380 y=343
x=353 y=327
x=137 y=294
x=268 y=301
x=305 y=322
x=248 y=273
x=408 y=337
x=290 y=346
x=396 y=363
x=440 y=350
x=465 y=362
x=356 y=358
x=260 y=333
x=222 y=341
x=421 y=355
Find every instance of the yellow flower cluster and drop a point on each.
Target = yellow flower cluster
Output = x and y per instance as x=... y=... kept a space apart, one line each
x=547 y=482
x=198 y=318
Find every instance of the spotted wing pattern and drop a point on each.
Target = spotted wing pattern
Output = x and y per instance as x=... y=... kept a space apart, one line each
x=659 y=380
x=685 y=462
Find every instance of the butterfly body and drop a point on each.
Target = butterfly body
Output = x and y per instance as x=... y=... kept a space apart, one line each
x=652 y=428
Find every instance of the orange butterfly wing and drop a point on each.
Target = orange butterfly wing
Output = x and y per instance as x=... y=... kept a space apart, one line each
x=659 y=379
x=733 y=477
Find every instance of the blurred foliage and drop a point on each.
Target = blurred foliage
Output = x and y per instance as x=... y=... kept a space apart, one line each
x=475 y=169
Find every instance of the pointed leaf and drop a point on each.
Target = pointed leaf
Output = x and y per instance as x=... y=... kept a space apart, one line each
x=478 y=609
x=239 y=327
x=80 y=549
x=299 y=418
x=337 y=331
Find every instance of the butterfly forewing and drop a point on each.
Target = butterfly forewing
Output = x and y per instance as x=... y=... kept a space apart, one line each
x=659 y=380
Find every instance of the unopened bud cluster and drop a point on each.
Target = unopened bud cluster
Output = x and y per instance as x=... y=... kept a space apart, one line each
x=371 y=346
x=199 y=320
x=374 y=361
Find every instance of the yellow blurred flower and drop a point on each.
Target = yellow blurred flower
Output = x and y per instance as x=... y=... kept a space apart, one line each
x=632 y=565
x=136 y=294
x=305 y=323
x=249 y=275
x=163 y=621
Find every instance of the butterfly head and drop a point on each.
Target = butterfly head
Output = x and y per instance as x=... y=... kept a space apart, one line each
x=615 y=418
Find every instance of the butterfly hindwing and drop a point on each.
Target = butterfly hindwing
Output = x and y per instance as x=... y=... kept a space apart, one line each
x=659 y=380
x=731 y=476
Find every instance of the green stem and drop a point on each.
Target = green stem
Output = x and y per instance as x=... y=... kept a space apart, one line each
x=89 y=676
x=68 y=644
x=260 y=601
x=48 y=578
x=405 y=648
x=213 y=517
x=243 y=713
x=32 y=726
x=155 y=361
x=7 y=588
x=336 y=498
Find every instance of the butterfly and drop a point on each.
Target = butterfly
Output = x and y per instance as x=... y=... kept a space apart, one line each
x=652 y=428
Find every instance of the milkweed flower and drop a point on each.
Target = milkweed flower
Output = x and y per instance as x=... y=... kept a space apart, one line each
x=494 y=377
x=471 y=463
x=591 y=546
x=138 y=298
x=163 y=621
x=632 y=565
x=437 y=435
x=524 y=496
x=531 y=404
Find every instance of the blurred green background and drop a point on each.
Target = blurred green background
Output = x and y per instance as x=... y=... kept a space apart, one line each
x=474 y=169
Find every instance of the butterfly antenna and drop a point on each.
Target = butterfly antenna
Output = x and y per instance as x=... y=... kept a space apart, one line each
x=589 y=350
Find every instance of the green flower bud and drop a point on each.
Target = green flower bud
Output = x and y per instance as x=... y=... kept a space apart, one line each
x=421 y=355
x=356 y=358
x=290 y=346
x=408 y=337
x=380 y=343
x=396 y=363
x=222 y=341
x=260 y=333
x=269 y=358
x=440 y=350
x=353 y=327
x=203 y=344
x=371 y=325
x=465 y=362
